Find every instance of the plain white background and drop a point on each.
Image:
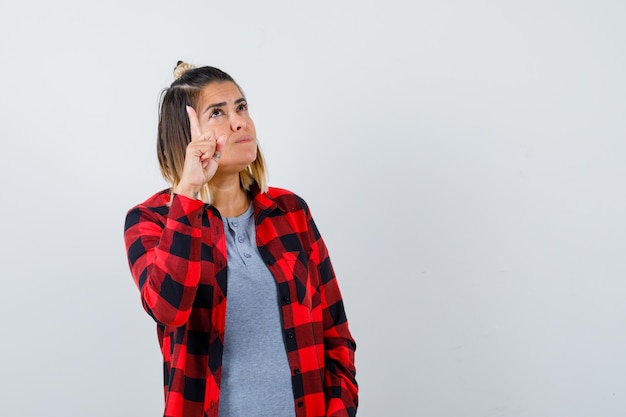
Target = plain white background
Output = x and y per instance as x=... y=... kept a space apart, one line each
x=464 y=161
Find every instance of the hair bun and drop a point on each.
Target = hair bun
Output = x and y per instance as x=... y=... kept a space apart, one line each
x=181 y=68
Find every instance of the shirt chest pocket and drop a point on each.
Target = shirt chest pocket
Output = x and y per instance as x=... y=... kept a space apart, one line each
x=292 y=270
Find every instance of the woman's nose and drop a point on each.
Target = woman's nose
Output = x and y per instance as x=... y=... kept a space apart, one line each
x=238 y=122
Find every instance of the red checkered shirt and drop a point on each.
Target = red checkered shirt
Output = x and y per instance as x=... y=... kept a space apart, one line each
x=177 y=254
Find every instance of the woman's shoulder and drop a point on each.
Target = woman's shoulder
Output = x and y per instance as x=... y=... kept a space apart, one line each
x=277 y=192
x=287 y=199
x=156 y=206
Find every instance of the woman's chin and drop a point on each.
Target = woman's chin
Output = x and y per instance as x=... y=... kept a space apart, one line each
x=234 y=167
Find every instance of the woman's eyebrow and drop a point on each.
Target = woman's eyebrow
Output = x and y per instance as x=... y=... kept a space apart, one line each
x=211 y=106
x=222 y=104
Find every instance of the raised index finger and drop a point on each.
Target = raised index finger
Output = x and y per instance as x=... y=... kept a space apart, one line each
x=194 y=124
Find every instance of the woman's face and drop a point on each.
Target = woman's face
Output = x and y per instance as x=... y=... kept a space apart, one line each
x=223 y=110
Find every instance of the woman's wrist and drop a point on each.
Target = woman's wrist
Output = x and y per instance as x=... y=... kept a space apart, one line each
x=187 y=191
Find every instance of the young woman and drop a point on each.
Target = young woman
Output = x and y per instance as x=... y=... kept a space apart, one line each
x=249 y=316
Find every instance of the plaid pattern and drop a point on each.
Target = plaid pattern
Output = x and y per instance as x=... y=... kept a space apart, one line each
x=177 y=254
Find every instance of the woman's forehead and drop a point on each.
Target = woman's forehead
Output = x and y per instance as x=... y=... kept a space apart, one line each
x=225 y=90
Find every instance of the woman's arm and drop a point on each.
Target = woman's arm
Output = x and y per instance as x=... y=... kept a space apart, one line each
x=340 y=386
x=164 y=257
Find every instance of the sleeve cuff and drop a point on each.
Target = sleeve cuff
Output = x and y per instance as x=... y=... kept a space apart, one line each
x=190 y=208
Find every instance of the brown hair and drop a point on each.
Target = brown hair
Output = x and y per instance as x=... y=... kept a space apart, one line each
x=174 y=133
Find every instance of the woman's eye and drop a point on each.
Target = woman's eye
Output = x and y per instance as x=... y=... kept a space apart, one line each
x=242 y=107
x=216 y=112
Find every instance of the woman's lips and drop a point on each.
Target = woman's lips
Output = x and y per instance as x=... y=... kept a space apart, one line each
x=244 y=139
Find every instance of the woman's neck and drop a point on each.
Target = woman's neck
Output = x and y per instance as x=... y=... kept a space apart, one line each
x=228 y=197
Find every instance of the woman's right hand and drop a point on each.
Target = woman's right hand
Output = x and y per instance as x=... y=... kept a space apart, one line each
x=201 y=158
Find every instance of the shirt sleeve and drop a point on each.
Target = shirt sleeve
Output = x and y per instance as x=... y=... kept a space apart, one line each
x=164 y=257
x=340 y=386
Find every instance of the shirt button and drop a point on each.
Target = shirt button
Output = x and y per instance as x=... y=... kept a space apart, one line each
x=235 y=224
x=285 y=299
x=296 y=371
x=240 y=239
x=290 y=335
x=247 y=255
x=300 y=403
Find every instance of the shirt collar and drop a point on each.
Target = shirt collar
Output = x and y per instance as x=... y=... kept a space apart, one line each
x=263 y=201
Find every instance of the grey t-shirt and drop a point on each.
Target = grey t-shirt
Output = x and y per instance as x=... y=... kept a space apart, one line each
x=256 y=378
